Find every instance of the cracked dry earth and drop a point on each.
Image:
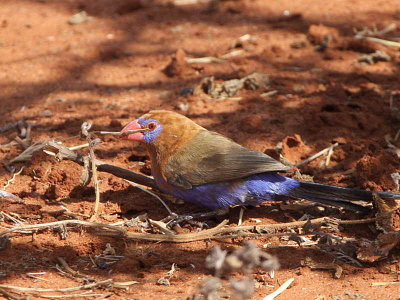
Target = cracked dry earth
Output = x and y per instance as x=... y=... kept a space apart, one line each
x=123 y=58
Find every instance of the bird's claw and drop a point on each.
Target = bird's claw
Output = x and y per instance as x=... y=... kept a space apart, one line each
x=175 y=219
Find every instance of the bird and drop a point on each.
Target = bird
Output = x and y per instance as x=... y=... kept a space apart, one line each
x=212 y=171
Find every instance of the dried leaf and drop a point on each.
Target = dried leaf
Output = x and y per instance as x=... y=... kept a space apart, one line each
x=388 y=213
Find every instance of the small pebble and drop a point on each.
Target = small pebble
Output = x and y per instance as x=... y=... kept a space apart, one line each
x=46 y=113
x=79 y=18
x=176 y=29
x=183 y=106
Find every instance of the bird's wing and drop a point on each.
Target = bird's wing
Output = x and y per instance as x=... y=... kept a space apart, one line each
x=211 y=157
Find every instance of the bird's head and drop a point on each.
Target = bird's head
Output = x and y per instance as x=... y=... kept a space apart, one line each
x=161 y=127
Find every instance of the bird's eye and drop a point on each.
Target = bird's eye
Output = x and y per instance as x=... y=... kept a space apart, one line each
x=152 y=125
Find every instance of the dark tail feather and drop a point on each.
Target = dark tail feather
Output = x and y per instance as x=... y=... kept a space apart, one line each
x=337 y=196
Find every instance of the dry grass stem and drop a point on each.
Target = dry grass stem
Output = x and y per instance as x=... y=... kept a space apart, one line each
x=80 y=295
x=13 y=177
x=152 y=194
x=26 y=155
x=36 y=227
x=189 y=2
x=204 y=60
x=385 y=283
x=315 y=156
x=268 y=94
x=8 y=295
x=60 y=290
x=241 y=212
x=280 y=290
x=71 y=271
x=16 y=199
x=329 y=156
x=383 y=42
x=232 y=54
x=73 y=148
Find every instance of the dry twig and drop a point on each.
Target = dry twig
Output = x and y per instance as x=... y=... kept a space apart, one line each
x=60 y=290
x=280 y=290
x=75 y=274
x=62 y=152
x=36 y=227
x=85 y=131
x=320 y=153
x=8 y=295
x=218 y=232
x=13 y=178
x=204 y=60
x=16 y=199
x=382 y=41
x=385 y=283
x=79 y=295
x=374 y=31
x=26 y=155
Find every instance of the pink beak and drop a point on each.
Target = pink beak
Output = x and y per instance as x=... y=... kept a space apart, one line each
x=136 y=136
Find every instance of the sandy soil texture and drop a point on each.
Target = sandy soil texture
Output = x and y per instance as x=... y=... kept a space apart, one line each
x=122 y=58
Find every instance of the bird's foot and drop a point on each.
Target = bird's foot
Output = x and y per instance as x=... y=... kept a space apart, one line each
x=175 y=219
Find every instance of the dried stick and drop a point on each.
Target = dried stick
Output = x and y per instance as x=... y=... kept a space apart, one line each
x=85 y=131
x=204 y=60
x=80 y=295
x=13 y=177
x=64 y=290
x=279 y=291
x=8 y=295
x=133 y=178
x=382 y=41
x=231 y=232
x=16 y=199
x=35 y=227
x=63 y=152
x=217 y=232
x=71 y=271
x=73 y=148
x=329 y=156
x=385 y=283
x=320 y=153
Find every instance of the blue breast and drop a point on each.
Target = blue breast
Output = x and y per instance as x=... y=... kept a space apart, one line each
x=251 y=190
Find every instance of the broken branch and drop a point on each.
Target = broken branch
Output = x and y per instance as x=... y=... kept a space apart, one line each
x=218 y=232
x=85 y=131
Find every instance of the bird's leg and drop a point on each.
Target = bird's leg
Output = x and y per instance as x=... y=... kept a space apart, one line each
x=175 y=219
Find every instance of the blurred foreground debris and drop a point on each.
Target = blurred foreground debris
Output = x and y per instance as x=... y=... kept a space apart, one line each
x=246 y=259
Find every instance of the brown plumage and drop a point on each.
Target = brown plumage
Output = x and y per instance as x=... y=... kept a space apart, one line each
x=211 y=170
x=186 y=154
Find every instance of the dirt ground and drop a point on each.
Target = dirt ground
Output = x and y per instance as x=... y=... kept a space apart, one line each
x=128 y=57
